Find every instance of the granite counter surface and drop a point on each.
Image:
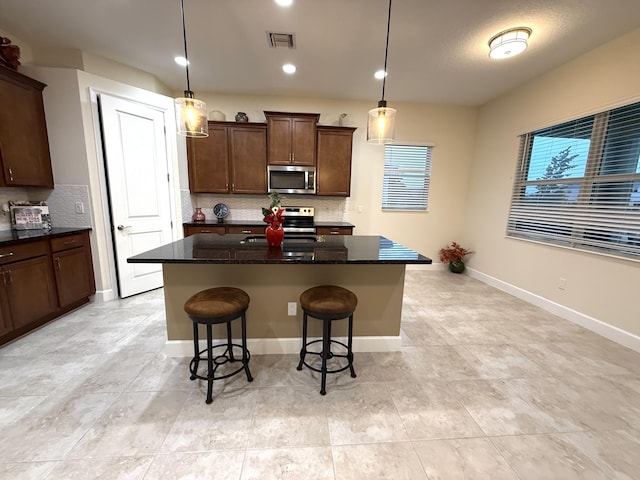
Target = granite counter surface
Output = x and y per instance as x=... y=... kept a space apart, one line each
x=253 y=249
x=8 y=237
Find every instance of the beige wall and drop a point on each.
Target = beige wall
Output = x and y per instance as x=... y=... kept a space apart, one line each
x=597 y=286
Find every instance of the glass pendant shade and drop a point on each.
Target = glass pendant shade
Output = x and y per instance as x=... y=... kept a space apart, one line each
x=191 y=116
x=381 y=127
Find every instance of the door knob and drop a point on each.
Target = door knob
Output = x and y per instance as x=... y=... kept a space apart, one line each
x=122 y=227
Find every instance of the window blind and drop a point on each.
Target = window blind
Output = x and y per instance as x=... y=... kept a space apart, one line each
x=578 y=184
x=407 y=174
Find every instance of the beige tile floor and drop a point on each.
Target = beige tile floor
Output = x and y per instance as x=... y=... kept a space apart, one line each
x=486 y=387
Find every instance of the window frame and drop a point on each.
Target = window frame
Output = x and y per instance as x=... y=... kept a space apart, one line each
x=596 y=219
x=403 y=195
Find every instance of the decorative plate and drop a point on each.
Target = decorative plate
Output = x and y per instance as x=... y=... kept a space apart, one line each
x=220 y=210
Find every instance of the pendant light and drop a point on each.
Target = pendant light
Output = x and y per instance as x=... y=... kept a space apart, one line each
x=191 y=113
x=381 y=127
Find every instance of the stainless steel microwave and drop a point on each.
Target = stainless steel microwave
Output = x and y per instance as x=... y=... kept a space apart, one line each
x=291 y=179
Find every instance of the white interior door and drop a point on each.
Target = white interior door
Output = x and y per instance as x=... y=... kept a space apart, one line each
x=138 y=182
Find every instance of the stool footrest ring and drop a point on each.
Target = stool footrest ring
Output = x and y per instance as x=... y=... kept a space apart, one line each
x=218 y=361
x=348 y=356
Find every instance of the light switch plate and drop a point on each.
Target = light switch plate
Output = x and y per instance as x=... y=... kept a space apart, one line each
x=291 y=308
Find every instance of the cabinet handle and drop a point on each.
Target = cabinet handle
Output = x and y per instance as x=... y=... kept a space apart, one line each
x=57 y=259
x=205 y=231
x=10 y=174
x=334 y=232
x=247 y=231
x=4 y=278
x=69 y=242
x=10 y=278
x=3 y=255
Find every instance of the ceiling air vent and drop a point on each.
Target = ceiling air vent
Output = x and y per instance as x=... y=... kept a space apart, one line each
x=281 y=40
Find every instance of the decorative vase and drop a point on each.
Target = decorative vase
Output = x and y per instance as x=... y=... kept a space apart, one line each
x=198 y=216
x=274 y=235
x=457 y=267
x=241 y=117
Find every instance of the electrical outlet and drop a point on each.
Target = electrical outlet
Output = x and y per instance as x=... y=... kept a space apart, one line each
x=292 y=308
x=79 y=207
x=562 y=284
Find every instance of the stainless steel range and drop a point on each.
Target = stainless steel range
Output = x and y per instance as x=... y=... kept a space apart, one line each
x=298 y=220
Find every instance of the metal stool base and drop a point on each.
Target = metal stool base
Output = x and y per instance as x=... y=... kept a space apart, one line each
x=227 y=355
x=326 y=352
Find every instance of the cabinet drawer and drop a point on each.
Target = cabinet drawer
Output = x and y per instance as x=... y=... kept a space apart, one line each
x=334 y=231
x=68 y=241
x=247 y=230
x=191 y=230
x=22 y=251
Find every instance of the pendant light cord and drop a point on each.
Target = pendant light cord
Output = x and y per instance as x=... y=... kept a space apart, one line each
x=184 y=37
x=386 y=50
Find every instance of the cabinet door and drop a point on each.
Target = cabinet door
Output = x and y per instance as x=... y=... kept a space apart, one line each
x=334 y=161
x=279 y=129
x=24 y=145
x=30 y=289
x=303 y=139
x=73 y=276
x=208 y=160
x=5 y=314
x=248 y=159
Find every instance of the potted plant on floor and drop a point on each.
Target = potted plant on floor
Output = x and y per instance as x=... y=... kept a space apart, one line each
x=454 y=254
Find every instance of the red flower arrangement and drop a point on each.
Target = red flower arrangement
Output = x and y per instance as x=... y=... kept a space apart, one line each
x=454 y=253
x=273 y=214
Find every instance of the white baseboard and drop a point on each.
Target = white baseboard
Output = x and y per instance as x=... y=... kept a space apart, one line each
x=611 y=332
x=432 y=266
x=265 y=346
x=102 y=296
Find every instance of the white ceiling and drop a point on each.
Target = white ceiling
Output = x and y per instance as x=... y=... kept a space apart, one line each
x=437 y=49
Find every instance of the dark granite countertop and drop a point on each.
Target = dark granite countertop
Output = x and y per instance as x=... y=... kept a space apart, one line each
x=254 y=223
x=18 y=236
x=253 y=249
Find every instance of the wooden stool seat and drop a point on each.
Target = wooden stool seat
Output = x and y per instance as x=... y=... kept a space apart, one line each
x=327 y=303
x=215 y=306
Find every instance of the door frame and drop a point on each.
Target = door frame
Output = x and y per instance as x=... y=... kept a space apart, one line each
x=164 y=104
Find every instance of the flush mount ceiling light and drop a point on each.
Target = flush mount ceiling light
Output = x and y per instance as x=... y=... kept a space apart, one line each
x=191 y=114
x=284 y=3
x=509 y=43
x=381 y=127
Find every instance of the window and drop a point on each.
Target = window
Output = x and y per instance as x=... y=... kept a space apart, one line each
x=407 y=173
x=578 y=184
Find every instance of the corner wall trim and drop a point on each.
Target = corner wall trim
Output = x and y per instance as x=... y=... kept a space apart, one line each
x=611 y=332
x=266 y=346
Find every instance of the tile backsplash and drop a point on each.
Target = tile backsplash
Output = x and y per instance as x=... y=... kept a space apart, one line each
x=62 y=203
x=248 y=207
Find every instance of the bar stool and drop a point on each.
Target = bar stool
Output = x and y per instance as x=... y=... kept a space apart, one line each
x=327 y=303
x=211 y=307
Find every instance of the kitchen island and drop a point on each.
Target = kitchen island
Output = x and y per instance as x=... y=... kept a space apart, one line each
x=373 y=267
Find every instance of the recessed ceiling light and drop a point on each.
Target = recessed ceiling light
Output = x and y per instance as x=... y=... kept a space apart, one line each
x=380 y=74
x=284 y=3
x=289 y=68
x=181 y=61
x=509 y=43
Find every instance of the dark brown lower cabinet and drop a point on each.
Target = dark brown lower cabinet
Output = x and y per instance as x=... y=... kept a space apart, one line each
x=41 y=280
x=29 y=289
